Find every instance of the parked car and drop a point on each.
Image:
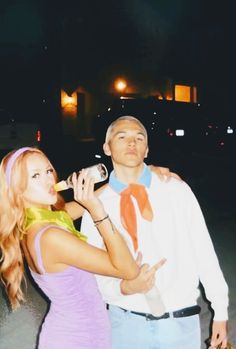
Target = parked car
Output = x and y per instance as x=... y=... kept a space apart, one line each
x=16 y=132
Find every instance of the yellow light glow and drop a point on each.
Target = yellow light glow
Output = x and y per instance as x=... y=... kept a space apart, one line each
x=66 y=99
x=120 y=85
x=194 y=89
x=69 y=103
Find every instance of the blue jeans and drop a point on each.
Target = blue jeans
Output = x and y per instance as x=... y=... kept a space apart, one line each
x=134 y=331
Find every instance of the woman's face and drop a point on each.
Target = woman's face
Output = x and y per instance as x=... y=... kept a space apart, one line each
x=40 y=188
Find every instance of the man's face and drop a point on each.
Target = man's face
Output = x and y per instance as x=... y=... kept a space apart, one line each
x=127 y=145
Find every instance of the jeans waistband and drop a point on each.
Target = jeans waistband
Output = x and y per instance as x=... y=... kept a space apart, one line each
x=189 y=311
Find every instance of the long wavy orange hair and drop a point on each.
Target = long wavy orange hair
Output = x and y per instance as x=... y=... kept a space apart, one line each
x=11 y=225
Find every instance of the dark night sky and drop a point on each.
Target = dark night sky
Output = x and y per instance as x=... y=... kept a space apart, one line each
x=87 y=42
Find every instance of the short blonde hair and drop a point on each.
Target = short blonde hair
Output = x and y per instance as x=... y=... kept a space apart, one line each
x=121 y=118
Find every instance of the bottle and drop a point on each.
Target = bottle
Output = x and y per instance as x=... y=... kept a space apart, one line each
x=155 y=302
x=229 y=346
x=98 y=172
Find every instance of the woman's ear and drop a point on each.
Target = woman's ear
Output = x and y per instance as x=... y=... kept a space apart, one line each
x=106 y=149
x=146 y=153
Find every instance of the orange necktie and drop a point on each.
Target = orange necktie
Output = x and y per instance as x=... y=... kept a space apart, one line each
x=127 y=210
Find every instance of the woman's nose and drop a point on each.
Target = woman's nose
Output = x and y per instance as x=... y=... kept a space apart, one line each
x=50 y=180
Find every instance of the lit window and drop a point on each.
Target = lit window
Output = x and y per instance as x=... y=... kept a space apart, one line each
x=182 y=93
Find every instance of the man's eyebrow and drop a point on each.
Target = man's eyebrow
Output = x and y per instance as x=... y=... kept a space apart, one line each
x=125 y=131
x=118 y=132
x=142 y=133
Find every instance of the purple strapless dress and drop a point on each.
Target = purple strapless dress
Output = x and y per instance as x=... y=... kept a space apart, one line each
x=77 y=318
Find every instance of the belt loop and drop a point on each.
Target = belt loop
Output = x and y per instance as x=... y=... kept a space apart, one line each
x=171 y=314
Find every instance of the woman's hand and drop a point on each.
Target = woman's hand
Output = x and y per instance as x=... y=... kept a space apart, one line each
x=75 y=209
x=84 y=194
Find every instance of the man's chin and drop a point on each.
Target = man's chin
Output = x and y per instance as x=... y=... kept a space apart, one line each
x=133 y=163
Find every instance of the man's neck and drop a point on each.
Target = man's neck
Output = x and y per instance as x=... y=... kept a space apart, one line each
x=128 y=175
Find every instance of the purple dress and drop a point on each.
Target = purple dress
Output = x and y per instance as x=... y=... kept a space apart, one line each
x=77 y=318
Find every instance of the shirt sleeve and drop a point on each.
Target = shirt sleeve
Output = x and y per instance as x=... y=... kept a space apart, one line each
x=209 y=270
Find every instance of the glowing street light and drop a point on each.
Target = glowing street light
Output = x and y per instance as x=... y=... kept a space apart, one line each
x=120 y=85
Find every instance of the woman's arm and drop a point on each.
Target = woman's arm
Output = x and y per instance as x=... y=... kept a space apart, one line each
x=66 y=249
x=75 y=210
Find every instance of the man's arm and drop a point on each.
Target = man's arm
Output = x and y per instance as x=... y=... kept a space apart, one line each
x=210 y=273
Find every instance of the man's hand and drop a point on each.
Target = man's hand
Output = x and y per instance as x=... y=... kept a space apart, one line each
x=219 y=335
x=164 y=173
x=144 y=281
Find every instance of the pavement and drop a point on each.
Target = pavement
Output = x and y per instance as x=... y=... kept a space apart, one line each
x=213 y=181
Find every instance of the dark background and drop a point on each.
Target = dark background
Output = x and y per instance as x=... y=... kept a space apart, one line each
x=49 y=45
x=46 y=45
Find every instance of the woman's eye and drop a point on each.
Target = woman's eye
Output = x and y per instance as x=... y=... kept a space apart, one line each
x=49 y=171
x=36 y=175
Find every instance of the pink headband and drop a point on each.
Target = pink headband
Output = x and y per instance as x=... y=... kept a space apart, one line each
x=11 y=162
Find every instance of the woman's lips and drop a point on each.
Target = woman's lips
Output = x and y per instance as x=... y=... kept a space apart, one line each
x=52 y=191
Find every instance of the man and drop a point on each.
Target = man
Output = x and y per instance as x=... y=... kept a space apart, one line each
x=167 y=226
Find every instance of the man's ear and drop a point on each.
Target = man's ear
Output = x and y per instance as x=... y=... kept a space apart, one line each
x=146 y=153
x=106 y=149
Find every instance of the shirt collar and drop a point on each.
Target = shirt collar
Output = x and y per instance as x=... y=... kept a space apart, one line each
x=118 y=186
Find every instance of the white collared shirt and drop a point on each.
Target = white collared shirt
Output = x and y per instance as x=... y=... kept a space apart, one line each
x=178 y=233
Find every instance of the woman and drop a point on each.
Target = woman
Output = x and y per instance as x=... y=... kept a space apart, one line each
x=35 y=225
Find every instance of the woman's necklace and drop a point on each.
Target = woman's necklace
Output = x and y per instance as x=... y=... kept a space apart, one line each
x=35 y=215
